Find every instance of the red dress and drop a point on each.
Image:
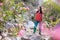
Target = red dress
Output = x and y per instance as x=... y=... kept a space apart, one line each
x=38 y=17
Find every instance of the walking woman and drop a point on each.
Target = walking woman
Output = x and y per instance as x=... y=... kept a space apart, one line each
x=38 y=18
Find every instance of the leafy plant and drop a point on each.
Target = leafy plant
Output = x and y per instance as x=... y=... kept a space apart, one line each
x=52 y=9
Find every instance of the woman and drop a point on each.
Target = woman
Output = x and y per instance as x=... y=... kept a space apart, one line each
x=38 y=18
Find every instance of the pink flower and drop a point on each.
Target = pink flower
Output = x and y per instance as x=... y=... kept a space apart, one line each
x=51 y=17
x=27 y=8
x=1 y=4
x=44 y=29
x=24 y=8
x=21 y=33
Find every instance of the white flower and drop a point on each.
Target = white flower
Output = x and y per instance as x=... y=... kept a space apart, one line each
x=0 y=37
x=4 y=34
x=18 y=38
x=7 y=38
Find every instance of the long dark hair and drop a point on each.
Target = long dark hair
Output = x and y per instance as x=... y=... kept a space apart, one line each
x=40 y=10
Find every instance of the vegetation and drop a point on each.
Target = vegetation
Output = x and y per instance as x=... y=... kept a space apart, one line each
x=52 y=12
x=15 y=9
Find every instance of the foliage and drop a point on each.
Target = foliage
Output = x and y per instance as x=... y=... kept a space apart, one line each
x=1 y=0
x=52 y=9
x=11 y=10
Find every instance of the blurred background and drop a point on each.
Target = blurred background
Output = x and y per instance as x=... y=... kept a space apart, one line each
x=17 y=13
